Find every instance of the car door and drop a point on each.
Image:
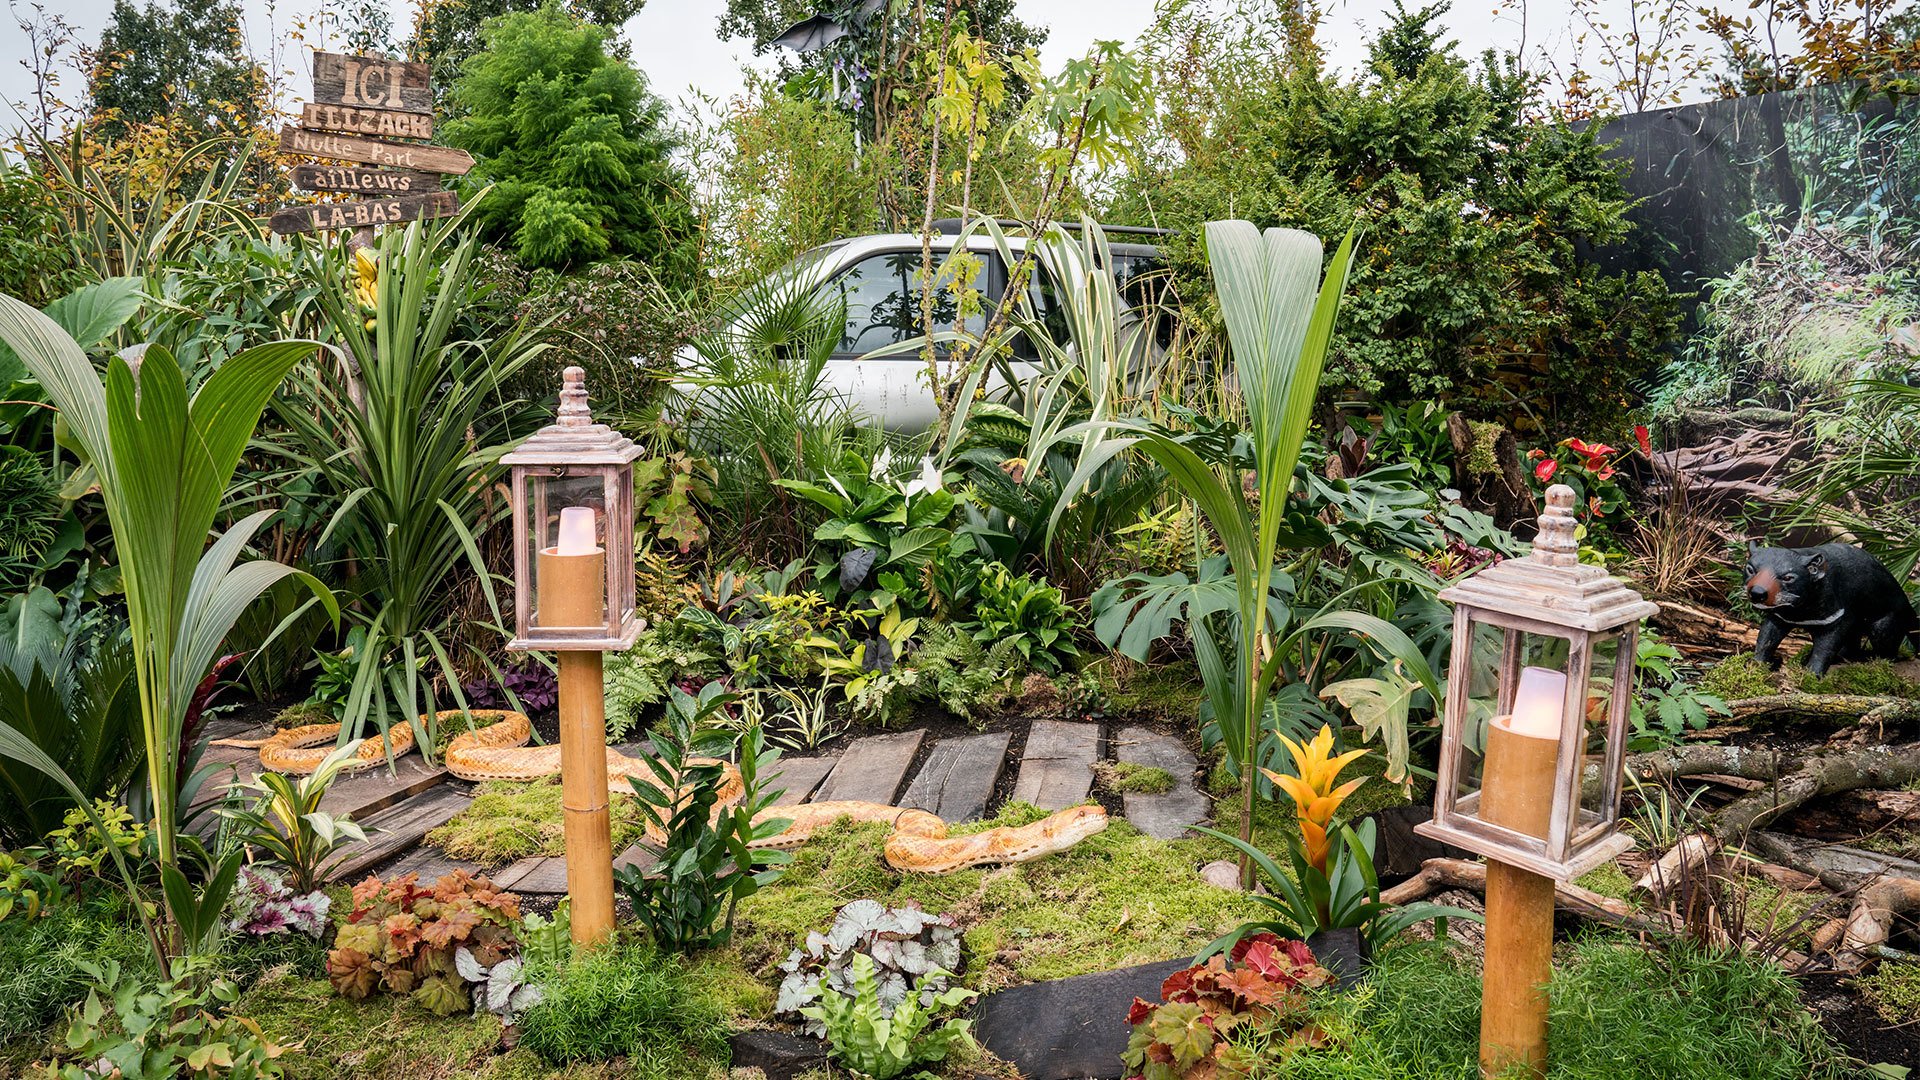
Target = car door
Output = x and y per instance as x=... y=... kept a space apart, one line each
x=881 y=291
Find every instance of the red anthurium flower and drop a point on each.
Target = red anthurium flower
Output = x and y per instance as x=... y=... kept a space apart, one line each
x=1588 y=450
x=1536 y=454
x=1544 y=471
x=1643 y=437
x=1604 y=473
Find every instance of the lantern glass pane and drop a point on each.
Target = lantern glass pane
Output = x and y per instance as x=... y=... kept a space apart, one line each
x=567 y=535
x=1603 y=699
x=1518 y=684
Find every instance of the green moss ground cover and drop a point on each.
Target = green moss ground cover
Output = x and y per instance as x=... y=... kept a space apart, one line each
x=511 y=820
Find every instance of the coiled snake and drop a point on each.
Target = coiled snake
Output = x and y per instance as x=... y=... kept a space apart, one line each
x=918 y=843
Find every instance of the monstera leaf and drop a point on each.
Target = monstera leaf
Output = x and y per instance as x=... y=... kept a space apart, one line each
x=1380 y=707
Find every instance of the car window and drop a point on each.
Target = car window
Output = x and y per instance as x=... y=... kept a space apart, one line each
x=882 y=294
x=1043 y=292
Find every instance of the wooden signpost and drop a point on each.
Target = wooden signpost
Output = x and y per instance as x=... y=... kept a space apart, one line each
x=367 y=110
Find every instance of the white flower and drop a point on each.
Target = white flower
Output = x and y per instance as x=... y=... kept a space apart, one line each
x=882 y=465
x=929 y=479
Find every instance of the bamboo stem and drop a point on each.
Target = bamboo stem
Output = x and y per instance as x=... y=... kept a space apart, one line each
x=572 y=592
x=1517 y=792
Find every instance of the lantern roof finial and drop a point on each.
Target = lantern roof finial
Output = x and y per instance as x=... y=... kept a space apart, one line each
x=573 y=438
x=1555 y=544
x=1552 y=585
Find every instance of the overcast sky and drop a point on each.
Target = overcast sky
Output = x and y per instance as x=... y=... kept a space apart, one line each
x=676 y=44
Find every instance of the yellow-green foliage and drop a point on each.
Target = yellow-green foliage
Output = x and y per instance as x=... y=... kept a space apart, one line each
x=1116 y=899
x=1738 y=677
x=510 y=820
x=1894 y=990
x=1875 y=678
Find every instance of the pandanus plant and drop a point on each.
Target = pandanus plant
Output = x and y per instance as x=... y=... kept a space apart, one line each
x=1279 y=315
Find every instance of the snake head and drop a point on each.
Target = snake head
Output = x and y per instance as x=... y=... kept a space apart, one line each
x=1076 y=823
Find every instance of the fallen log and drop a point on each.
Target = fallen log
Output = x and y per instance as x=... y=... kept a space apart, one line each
x=1815 y=777
x=1438 y=874
x=1843 y=709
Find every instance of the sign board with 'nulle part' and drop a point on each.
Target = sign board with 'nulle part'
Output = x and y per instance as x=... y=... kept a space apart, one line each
x=320 y=217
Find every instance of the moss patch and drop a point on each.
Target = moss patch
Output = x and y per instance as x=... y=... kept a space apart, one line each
x=1893 y=990
x=301 y=715
x=1131 y=778
x=381 y=1037
x=1739 y=677
x=1170 y=693
x=1116 y=899
x=510 y=820
x=1874 y=678
x=1608 y=880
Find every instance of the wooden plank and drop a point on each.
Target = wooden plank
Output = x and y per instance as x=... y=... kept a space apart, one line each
x=546 y=874
x=355 y=180
x=799 y=777
x=1168 y=814
x=368 y=791
x=380 y=123
x=958 y=778
x=372 y=81
x=871 y=769
x=1056 y=771
x=429 y=862
x=439 y=159
x=356 y=215
x=399 y=828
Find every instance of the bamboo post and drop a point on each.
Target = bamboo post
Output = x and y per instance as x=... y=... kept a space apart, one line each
x=1516 y=792
x=572 y=592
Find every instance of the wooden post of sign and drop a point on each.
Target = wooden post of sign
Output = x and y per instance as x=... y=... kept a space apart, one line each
x=1516 y=792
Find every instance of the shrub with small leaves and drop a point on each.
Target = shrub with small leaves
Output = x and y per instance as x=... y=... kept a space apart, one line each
x=133 y=1028
x=914 y=953
x=25 y=889
x=29 y=508
x=406 y=938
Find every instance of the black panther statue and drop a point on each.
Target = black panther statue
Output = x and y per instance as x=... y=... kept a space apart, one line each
x=1837 y=593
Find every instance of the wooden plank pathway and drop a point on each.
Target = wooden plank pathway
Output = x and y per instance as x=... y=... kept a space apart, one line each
x=957 y=779
x=1057 y=769
x=398 y=829
x=1167 y=815
x=872 y=768
x=959 y=776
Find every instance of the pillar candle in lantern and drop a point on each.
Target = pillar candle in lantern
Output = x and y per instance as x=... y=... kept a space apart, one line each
x=573 y=574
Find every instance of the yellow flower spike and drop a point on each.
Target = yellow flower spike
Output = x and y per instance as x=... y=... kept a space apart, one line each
x=1314 y=795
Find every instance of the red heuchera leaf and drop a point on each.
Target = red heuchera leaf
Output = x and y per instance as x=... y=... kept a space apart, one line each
x=449 y=928
x=1298 y=952
x=1177 y=984
x=1261 y=956
x=1249 y=988
x=365 y=892
x=1141 y=1010
x=1643 y=437
x=1544 y=471
x=404 y=929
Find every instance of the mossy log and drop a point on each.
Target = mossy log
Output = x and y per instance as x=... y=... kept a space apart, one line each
x=1793 y=777
x=1839 y=709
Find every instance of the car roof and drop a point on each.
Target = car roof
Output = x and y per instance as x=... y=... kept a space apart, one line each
x=903 y=241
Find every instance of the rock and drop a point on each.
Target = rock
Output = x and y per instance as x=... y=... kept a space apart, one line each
x=1222 y=874
x=1068 y=1029
x=777 y=1054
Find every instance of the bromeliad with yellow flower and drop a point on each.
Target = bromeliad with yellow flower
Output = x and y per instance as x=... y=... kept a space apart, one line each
x=1315 y=798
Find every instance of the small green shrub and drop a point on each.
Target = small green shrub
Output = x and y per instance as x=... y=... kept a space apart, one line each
x=1739 y=677
x=1029 y=612
x=1131 y=778
x=625 y=1000
x=40 y=959
x=869 y=1041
